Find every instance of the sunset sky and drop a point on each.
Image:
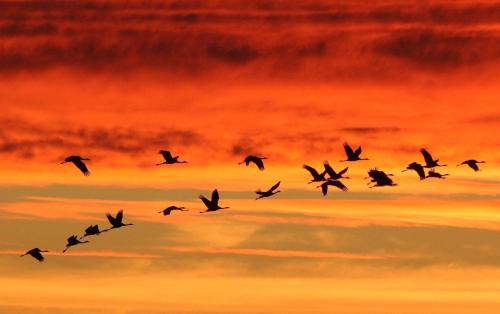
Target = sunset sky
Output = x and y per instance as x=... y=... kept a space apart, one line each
x=214 y=81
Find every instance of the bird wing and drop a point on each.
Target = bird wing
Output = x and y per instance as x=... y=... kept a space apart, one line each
x=420 y=170
x=329 y=169
x=37 y=255
x=90 y=229
x=257 y=161
x=215 y=198
x=111 y=219
x=473 y=165
x=205 y=201
x=338 y=184
x=358 y=151
x=324 y=188
x=71 y=239
x=341 y=172
x=311 y=170
x=119 y=216
x=81 y=165
x=348 y=151
x=166 y=155
x=427 y=156
x=274 y=187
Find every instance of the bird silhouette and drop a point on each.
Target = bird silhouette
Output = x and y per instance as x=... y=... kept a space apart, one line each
x=380 y=178
x=429 y=161
x=417 y=168
x=116 y=221
x=317 y=177
x=169 y=209
x=472 y=163
x=335 y=183
x=258 y=161
x=78 y=162
x=433 y=174
x=213 y=204
x=334 y=175
x=72 y=241
x=169 y=159
x=36 y=253
x=351 y=154
x=269 y=192
x=92 y=230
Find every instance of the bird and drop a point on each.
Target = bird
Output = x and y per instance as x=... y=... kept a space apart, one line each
x=352 y=155
x=116 y=221
x=258 y=161
x=269 y=192
x=36 y=253
x=429 y=161
x=169 y=209
x=78 y=162
x=213 y=204
x=317 y=177
x=336 y=183
x=434 y=174
x=169 y=159
x=334 y=175
x=418 y=168
x=380 y=178
x=72 y=241
x=472 y=163
x=92 y=230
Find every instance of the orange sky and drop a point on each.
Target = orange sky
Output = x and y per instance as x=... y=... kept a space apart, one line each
x=213 y=81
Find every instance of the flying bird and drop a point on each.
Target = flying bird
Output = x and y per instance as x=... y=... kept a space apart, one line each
x=434 y=174
x=472 y=163
x=335 y=183
x=72 y=241
x=169 y=209
x=317 y=177
x=334 y=175
x=169 y=159
x=116 y=221
x=92 y=230
x=258 y=161
x=380 y=178
x=418 y=168
x=269 y=192
x=213 y=204
x=429 y=161
x=351 y=154
x=78 y=162
x=36 y=253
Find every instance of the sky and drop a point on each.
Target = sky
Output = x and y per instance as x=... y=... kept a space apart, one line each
x=214 y=81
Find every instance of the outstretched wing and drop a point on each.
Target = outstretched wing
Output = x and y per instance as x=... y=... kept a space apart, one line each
x=274 y=187
x=311 y=170
x=215 y=198
x=324 y=188
x=90 y=229
x=339 y=185
x=258 y=162
x=420 y=171
x=72 y=239
x=166 y=155
x=329 y=169
x=81 y=165
x=111 y=219
x=358 y=151
x=343 y=171
x=119 y=216
x=427 y=156
x=205 y=201
x=348 y=151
